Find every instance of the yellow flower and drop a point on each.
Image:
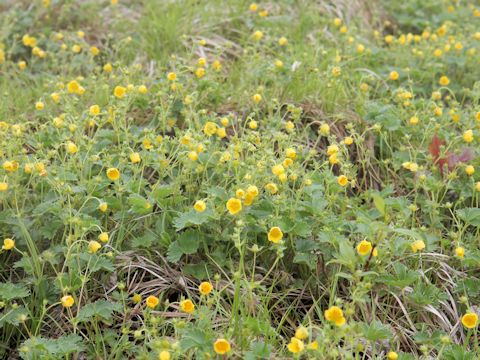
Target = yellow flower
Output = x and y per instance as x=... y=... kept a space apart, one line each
x=272 y=188
x=470 y=320
x=142 y=89
x=234 y=206
x=253 y=7
x=337 y=22
x=200 y=72
x=135 y=158
x=103 y=237
x=364 y=247
x=67 y=301
x=10 y=166
x=152 y=301
x=418 y=245
x=113 y=174
x=71 y=147
x=282 y=41
x=73 y=87
x=257 y=98
x=76 y=48
x=252 y=190
x=277 y=170
x=275 y=234
x=221 y=132
x=164 y=355
x=342 y=180
x=119 y=92
x=205 y=288
x=94 y=51
x=348 y=140
x=103 y=206
x=295 y=346
x=22 y=65
x=263 y=13
x=394 y=75
x=336 y=71
x=93 y=246
x=392 y=355
x=217 y=65
x=253 y=124
x=3 y=186
x=468 y=136
x=136 y=298
x=335 y=314
x=39 y=105
x=444 y=81
x=8 y=244
x=460 y=252
x=301 y=333
x=200 y=206
x=94 y=110
x=210 y=128
x=221 y=346
x=257 y=35
x=324 y=129
x=187 y=306
x=55 y=97
x=413 y=120
x=108 y=68
x=192 y=155
x=171 y=76
x=469 y=170
x=29 y=40
x=291 y=153
x=313 y=345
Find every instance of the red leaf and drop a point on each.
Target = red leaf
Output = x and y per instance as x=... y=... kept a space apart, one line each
x=434 y=149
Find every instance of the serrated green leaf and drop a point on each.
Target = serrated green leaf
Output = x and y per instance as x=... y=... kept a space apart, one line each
x=192 y=217
x=10 y=291
x=100 y=308
x=189 y=241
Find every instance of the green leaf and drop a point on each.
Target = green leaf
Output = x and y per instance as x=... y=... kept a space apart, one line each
x=471 y=216
x=174 y=252
x=10 y=291
x=426 y=294
x=402 y=276
x=345 y=255
x=12 y=316
x=376 y=331
x=160 y=193
x=139 y=205
x=41 y=348
x=192 y=217
x=189 y=241
x=144 y=241
x=198 y=271
x=307 y=259
x=302 y=229
x=457 y=352
x=379 y=203
x=194 y=338
x=100 y=308
x=258 y=350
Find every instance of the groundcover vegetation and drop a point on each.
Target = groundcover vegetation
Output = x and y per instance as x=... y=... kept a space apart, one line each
x=226 y=179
